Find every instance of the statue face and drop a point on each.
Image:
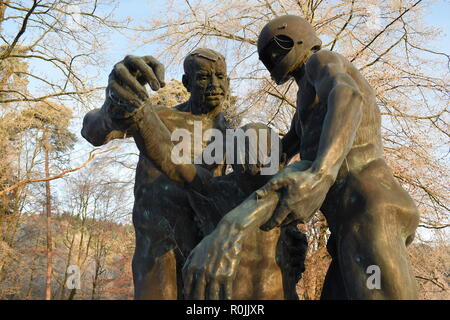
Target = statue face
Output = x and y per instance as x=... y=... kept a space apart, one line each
x=208 y=84
x=275 y=51
x=282 y=58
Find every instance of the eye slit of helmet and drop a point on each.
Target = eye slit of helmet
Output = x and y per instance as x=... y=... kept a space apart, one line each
x=284 y=42
x=315 y=48
x=276 y=50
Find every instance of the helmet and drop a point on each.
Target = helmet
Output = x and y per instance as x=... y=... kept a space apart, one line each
x=284 y=44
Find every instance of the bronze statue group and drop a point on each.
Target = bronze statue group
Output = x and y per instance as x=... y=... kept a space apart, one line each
x=203 y=232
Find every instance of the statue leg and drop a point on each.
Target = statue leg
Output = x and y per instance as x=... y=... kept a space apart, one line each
x=291 y=254
x=376 y=222
x=333 y=285
x=154 y=277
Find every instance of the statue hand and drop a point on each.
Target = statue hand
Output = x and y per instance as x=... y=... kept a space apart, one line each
x=126 y=85
x=210 y=268
x=302 y=193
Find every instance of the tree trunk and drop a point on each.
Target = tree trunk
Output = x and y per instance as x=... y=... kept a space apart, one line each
x=29 y=295
x=48 y=208
x=69 y=258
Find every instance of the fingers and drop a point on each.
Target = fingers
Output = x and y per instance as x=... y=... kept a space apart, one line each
x=119 y=94
x=194 y=282
x=149 y=70
x=123 y=74
x=278 y=217
x=227 y=289
x=127 y=80
x=187 y=283
x=274 y=184
x=145 y=72
x=208 y=290
x=213 y=290
x=219 y=290
x=157 y=67
x=198 y=292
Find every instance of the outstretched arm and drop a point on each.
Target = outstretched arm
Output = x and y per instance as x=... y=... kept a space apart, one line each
x=99 y=128
x=126 y=113
x=211 y=267
x=124 y=94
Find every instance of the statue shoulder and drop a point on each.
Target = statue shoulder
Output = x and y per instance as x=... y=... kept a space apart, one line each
x=324 y=66
x=326 y=56
x=322 y=59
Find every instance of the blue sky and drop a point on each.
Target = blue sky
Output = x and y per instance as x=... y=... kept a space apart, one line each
x=141 y=10
x=438 y=15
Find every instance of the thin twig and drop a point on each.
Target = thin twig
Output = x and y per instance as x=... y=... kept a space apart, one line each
x=60 y=175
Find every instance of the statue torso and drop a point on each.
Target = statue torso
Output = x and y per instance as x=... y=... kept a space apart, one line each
x=151 y=183
x=311 y=113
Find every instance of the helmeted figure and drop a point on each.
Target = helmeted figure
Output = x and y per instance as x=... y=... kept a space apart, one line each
x=336 y=129
x=293 y=39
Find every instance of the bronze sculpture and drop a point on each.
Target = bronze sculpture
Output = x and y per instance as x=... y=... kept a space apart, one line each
x=336 y=130
x=164 y=229
x=274 y=260
x=175 y=206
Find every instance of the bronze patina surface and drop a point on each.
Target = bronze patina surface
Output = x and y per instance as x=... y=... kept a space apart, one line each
x=177 y=205
x=337 y=132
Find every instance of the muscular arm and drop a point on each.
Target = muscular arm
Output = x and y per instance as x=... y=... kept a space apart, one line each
x=99 y=127
x=305 y=191
x=155 y=138
x=326 y=72
x=124 y=94
x=211 y=267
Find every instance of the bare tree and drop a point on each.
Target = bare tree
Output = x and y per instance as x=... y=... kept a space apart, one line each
x=63 y=37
